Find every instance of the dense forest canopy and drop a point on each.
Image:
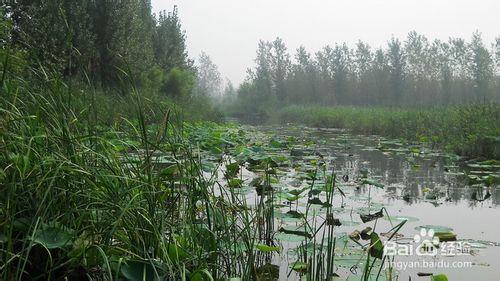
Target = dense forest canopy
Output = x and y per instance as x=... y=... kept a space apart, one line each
x=416 y=71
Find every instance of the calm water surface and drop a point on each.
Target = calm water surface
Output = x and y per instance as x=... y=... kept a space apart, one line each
x=408 y=178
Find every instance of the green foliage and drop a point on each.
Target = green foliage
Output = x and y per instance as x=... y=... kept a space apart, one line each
x=376 y=246
x=98 y=39
x=404 y=73
x=153 y=78
x=169 y=42
x=80 y=194
x=439 y=277
x=209 y=79
x=267 y=248
x=179 y=83
x=53 y=237
x=465 y=130
x=108 y=50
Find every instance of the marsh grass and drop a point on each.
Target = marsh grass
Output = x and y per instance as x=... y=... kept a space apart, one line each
x=467 y=130
x=85 y=196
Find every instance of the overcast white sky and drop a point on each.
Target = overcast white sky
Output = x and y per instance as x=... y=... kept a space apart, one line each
x=229 y=30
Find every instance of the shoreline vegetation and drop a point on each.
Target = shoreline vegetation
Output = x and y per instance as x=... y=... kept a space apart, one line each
x=467 y=130
x=115 y=165
x=441 y=92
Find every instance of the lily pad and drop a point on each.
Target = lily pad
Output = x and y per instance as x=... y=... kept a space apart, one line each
x=266 y=248
x=348 y=261
x=285 y=237
x=372 y=182
x=292 y=216
x=307 y=247
x=369 y=217
x=401 y=218
x=299 y=266
x=439 y=277
x=300 y=231
x=268 y=272
x=446 y=236
x=376 y=246
x=436 y=228
x=349 y=223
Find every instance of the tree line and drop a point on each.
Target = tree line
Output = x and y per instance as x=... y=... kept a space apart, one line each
x=106 y=42
x=416 y=71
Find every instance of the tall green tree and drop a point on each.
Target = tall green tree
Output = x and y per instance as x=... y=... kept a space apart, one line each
x=263 y=73
x=123 y=37
x=444 y=63
x=497 y=54
x=169 y=42
x=55 y=33
x=340 y=63
x=417 y=56
x=397 y=65
x=280 y=65
x=103 y=38
x=209 y=79
x=381 y=78
x=302 y=87
x=363 y=59
x=325 y=75
x=481 y=67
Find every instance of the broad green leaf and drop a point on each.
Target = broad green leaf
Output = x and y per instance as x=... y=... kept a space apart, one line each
x=299 y=266
x=176 y=253
x=53 y=237
x=266 y=249
x=376 y=246
x=135 y=270
x=439 y=277
x=201 y=275
x=372 y=182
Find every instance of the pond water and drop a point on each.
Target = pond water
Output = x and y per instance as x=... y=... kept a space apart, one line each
x=419 y=185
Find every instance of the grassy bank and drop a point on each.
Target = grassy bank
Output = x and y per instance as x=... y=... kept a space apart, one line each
x=104 y=186
x=123 y=202
x=96 y=187
x=466 y=130
x=142 y=198
x=92 y=189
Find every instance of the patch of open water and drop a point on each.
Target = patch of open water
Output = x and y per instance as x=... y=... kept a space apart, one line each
x=424 y=186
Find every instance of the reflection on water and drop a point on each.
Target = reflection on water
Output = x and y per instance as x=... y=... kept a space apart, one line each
x=400 y=171
x=419 y=182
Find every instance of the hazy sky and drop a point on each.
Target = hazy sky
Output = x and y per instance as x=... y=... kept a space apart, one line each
x=229 y=30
